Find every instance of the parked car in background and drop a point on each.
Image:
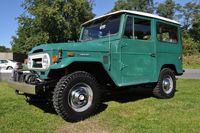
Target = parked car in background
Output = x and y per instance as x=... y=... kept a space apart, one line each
x=10 y=64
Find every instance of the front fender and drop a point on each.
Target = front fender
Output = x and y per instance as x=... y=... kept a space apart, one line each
x=67 y=61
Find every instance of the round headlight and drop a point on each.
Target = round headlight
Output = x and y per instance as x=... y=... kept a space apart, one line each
x=45 y=62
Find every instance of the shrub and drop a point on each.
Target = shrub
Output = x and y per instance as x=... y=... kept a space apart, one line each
x=192 y=61
x=190 y=47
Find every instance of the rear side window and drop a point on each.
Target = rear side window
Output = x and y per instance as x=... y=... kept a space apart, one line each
x=142 y=29
x=167 y=33
x=138 y=29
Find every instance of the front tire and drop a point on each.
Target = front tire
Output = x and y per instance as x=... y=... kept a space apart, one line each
x=76 y=96
x=166 y=86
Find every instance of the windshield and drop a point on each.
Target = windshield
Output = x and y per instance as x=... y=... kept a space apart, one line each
x=101 y=28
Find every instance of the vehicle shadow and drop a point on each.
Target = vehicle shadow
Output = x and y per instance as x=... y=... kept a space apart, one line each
x=44 y=105
x=122 y=96
x=130 y=94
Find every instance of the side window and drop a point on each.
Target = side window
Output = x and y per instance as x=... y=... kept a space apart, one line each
x=138 y=29
x=142 y=29
x=128 y=33
x=167 y=33
x=4 y=61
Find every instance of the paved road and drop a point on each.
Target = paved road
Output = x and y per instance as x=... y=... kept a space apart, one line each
x=191 y=74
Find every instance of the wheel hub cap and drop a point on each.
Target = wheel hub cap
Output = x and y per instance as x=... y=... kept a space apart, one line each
x=80 y=97
x=167 y=84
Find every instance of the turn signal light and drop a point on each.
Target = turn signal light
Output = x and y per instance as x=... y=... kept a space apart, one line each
x=54 y=59
x=70 y=54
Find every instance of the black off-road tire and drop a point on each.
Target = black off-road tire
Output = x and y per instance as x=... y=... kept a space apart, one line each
x=159 y=90
x=62 y=91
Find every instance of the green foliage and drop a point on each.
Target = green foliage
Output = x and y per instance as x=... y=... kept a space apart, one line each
x=137 y=5
x=195 y=30
x=50 y=21
x=189 y=46
x=4 y=49
x=187 y=13
x=166 y=9
x=191 y=61
x=190 y=13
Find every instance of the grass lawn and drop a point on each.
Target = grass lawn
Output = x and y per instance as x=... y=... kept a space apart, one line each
x=137 y=113
x=191 y=66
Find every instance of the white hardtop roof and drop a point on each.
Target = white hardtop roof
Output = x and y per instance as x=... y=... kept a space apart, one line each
x=136 y=13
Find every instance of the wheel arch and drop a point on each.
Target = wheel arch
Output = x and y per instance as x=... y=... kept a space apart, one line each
x=170 y=66
x=94 y=68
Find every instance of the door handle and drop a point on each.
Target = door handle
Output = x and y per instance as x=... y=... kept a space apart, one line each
x=152 y=54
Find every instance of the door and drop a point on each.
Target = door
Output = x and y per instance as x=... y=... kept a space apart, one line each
x=138 y=51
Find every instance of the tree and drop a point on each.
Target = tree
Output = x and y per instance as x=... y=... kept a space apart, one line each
x=190 y=46
x=4 y=49
x=195 y=30
x=166 y=9
x=50 y=21
x=137 y=5
x=188 y=11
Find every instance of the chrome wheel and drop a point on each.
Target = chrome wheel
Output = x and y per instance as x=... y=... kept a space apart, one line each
x=167 y=84
x=80 y=97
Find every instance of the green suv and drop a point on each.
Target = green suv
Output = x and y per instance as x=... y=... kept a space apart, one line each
x=117 y=50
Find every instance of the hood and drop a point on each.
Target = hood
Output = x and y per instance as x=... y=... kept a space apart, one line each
x=78 y=46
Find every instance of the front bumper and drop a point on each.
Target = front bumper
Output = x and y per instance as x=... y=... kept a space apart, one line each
x=23 y=87
x=21 y=81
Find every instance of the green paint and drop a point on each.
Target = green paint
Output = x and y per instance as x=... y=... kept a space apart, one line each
x=130 y=61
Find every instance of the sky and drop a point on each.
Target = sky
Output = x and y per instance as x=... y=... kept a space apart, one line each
x=11 y=9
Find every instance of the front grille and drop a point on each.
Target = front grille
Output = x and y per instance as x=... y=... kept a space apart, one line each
x=37 y=63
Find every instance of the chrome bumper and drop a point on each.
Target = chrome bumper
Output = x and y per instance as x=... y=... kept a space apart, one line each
x=23 y=87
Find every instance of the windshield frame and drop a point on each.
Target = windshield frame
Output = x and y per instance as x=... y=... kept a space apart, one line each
x=120 y=16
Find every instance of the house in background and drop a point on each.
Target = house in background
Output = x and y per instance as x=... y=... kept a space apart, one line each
x=13 y=56
x=6 y=74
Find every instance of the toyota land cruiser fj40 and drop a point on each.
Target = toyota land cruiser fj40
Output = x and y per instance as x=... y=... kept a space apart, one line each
x=116 y=50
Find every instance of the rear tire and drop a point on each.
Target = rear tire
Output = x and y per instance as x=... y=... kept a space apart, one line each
x=166 y=86
x=76 y=96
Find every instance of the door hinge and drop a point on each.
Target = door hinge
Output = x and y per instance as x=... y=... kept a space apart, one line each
x=123 y=66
